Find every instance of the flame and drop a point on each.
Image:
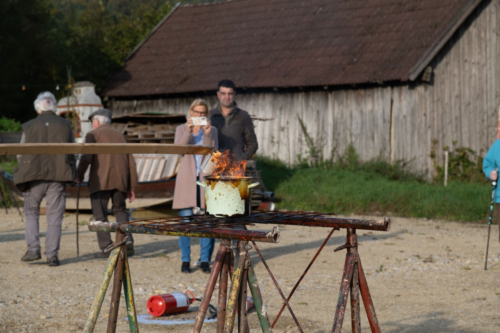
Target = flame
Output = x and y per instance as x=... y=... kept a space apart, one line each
x=226 y=166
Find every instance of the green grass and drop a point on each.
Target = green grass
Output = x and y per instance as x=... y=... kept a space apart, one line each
x=8 y=165
x=357 y=190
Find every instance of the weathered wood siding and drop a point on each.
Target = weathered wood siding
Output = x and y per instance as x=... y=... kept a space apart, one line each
x=459 y=104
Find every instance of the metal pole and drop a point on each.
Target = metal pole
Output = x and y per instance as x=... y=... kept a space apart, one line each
x=209 y=289
x=367 y=299
x=257 y=300
x=129 y=297
x=445 y=167
x=99 y=298
x=493 y=185
x=221 y=306
x=303 y=275
x=117 y=284
x=278 y=287
x=242 y=300
x=235 y=287
x=77 y=210
x=343 y=293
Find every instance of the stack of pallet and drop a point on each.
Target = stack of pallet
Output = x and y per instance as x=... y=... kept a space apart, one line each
x=147 y=133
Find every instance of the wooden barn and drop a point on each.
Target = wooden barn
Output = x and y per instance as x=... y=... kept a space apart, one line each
x=392 y=77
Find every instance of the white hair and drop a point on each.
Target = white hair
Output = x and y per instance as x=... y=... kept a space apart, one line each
x=45 y=101
x=102 y=119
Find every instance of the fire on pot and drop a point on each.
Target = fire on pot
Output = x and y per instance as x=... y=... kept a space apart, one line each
x=227 y=190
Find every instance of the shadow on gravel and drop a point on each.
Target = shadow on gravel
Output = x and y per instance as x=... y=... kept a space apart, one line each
x=9 y=237
x=278 y=251
x=143 y=251
x=431 y=324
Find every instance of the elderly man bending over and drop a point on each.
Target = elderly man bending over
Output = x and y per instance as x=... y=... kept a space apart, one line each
x=45 y=176
x=111 y=176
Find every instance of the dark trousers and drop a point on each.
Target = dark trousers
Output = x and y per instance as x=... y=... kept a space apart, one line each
x=99 y=201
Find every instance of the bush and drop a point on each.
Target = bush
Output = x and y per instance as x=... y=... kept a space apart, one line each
x=464 y=165
x=351 y=186
x=9 y=125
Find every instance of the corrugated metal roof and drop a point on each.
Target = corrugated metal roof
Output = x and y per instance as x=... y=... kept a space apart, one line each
x=285 y=43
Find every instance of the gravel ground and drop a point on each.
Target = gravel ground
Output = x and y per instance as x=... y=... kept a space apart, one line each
x=424 y=276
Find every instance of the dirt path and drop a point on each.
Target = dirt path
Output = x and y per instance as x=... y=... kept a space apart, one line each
x=424 y=276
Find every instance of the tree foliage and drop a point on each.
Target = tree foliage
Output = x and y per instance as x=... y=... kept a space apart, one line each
x=39 y=39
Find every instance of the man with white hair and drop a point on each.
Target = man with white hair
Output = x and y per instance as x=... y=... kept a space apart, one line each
x=40 y=176
x=111 y=176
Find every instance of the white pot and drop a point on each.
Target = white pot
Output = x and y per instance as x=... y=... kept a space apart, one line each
x=228 y=196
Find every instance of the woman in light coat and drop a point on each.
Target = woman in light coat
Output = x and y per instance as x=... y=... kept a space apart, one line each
x=188 y=194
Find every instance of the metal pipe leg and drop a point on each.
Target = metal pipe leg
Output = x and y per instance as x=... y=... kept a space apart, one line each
x=355 y=316
x=367 y=299
x=129 y=298
x=242 y=303
x=99 y=298
x=117 y=285
x=221 y=306
x=278 y=287
x=303 y=275
x=235 y=287
x=209 y=289
x=343 y=293
x=257 y=300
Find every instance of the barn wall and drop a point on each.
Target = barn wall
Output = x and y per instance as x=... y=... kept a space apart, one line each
x=459 y=107
x=459 y=104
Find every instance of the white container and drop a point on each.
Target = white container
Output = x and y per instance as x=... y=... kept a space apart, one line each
x=228 y=196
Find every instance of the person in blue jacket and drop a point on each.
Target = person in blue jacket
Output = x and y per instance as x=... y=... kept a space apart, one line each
x=491 y=163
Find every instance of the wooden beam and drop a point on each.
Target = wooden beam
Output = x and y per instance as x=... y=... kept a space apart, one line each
x=100 y=148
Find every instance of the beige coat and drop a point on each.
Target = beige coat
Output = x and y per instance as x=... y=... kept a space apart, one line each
x=185 y=184
x=108 y=171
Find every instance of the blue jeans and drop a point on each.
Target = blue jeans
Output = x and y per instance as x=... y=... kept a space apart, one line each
x=206 y=244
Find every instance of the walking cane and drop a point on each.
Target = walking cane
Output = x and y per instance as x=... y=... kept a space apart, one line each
x=494 y=185
x=77 y=204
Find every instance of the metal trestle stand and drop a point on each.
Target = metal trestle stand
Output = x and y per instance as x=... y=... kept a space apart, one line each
x=242 y=275
x=354 y=281
x=118 y=263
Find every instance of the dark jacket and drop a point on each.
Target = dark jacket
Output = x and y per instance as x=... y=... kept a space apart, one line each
x=235 y=131
x=108 y=171
x=46 y=128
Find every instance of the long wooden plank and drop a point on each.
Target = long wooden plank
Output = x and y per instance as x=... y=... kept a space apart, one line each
x=100 y=148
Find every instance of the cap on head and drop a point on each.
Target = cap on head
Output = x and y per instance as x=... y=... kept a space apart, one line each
x=45 y=101
x=100 y=112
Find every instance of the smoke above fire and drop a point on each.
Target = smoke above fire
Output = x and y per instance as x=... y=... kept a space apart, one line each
x=227 y=166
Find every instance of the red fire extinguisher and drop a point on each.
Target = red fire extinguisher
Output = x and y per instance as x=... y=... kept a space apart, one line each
x=159 y=305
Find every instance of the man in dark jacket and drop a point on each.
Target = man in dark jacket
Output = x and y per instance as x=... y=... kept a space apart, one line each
x=111 y=176
x=40 y=176
x=234 y=126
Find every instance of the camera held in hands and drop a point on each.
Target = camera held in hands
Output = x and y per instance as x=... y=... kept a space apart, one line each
x=199 y=121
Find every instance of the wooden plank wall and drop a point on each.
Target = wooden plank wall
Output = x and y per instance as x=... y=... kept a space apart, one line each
x=459 y=104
